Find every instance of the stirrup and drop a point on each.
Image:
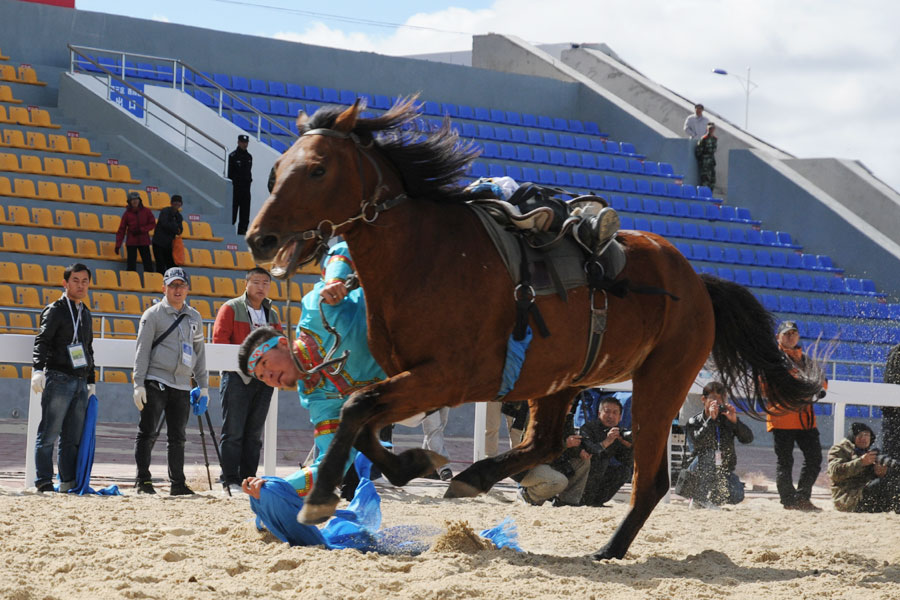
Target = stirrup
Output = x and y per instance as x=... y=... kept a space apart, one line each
x=597 y=229
x=606 y=226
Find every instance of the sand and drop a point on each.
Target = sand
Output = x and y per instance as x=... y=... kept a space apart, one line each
x=56 y=546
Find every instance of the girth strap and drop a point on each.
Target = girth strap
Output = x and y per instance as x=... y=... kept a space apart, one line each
x=524 y=296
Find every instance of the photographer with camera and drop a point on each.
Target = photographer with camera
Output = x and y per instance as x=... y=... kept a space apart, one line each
x=611 y=453
x=710 y=480
x=862 y=480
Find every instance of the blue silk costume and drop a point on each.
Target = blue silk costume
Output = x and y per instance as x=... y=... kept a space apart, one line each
x=324 y=394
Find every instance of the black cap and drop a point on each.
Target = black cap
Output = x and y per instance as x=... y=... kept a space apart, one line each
x=857 y=428
x=243 y=138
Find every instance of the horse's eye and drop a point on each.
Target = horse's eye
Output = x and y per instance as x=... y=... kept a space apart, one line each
x=317 y=172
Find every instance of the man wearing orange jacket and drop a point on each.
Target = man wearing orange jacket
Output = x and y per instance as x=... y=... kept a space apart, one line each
x=795 y=427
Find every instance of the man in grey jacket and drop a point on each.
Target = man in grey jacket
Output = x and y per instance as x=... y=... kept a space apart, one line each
x=170 y=348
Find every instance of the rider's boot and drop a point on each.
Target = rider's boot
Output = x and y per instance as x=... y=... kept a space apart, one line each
x=597 y=228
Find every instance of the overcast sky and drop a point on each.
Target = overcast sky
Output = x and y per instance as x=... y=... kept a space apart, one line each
x=828 y=72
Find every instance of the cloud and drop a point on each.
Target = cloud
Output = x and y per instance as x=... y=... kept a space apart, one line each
x=160 y=18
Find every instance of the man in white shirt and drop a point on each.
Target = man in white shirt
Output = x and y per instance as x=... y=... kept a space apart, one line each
x=695 y=124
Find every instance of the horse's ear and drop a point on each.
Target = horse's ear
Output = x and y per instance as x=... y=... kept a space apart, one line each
x=302 y=118
x=346 y=121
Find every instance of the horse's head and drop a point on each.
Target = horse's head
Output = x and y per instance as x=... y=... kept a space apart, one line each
x=313 y=195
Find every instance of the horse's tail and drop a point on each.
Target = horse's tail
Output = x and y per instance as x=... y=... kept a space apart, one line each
x=752 y=367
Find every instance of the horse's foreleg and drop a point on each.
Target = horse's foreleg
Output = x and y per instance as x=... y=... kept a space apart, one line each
x=543 y=441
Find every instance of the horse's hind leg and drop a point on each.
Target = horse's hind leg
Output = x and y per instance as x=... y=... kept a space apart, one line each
x=543 y=440
x=397 y=468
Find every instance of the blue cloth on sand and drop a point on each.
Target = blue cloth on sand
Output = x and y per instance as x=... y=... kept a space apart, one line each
x=85 y=461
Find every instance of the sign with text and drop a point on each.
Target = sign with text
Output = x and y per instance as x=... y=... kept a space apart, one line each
x=72 y=134
x=193 y=217
x=127 y=98
x=231 y=247
x=112 y=161
x=152 y=188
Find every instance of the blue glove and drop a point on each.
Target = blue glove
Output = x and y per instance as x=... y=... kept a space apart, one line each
x=199 y=400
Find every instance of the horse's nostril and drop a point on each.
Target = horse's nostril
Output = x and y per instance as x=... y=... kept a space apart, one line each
x=264 y=244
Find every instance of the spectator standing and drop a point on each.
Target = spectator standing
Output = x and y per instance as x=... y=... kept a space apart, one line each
x=563 y=479
x=710 y=480
x=63 y=373
x=170 y=349
x=705 y=153
x=134 y=229
x=890 y=424
x=795 y=427
x=433 y=439
x=169 y=225
x=860 y=481
x=240 y=172
x=611 y=453
x=695 y=124
x=245 y=400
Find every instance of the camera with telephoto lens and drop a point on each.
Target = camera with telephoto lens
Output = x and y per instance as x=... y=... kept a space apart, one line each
x=884 y=459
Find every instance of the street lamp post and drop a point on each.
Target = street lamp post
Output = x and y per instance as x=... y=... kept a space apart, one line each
x=748 y=87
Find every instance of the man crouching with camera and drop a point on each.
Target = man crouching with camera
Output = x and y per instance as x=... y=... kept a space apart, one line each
x=710 y=480
x=862 y=480
x=612 y=455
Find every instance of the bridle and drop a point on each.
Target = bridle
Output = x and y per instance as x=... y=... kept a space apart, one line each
x=369 y=208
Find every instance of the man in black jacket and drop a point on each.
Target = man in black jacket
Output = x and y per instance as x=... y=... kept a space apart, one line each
x=240 y=168
x=63 y=373
x=710 y=480
x=169 y=224
x=612 y=455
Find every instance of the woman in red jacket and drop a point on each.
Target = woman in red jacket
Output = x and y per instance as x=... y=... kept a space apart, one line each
x=137 y=222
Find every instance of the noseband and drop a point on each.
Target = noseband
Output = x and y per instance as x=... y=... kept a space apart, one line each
x=369 y=207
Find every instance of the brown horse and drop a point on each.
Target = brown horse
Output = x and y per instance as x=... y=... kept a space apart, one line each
x=440 y=310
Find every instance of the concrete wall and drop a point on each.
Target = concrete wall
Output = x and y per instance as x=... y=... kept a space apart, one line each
x=786 y=200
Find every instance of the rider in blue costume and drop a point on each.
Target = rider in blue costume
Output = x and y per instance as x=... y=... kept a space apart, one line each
x=265 y=355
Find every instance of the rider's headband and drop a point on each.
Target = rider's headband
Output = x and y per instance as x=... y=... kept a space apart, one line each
x=260 y=350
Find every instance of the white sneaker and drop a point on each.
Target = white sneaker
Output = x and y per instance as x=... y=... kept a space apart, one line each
x=235 y=489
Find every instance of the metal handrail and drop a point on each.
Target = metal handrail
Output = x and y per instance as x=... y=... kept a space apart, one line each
x=111 y=75
x=178 y=63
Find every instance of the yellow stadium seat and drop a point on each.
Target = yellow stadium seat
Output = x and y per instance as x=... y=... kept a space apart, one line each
x=38 y=244
x=100 y=326
x=131 y=281
x=202 y=307
x=116 y=196
x=153 y=282
x=31 y=164
x=9 y=162
x=6 y=95
x=54 y=166
x=75 y=168
x=223 y=259
x=123 y=173
x=6 y=296
x=58 y=143
x=14 y=138
x=89 y=221
x=105 y=279
x=3 y=116
x=148 y=301
x=42 y=217
x=62 y=246
x=295 y=314
x=240 y=286
x=103 y=302
x=3 y=215
x=71 y=192
x=201 y=258
x=124 y=328
x=21 y=323
x=19 y=115
x=82 y=146
x=9 y=372
x=93 y=195
x=13 y=242
x=8 y=73
x=26 y=372
x=244 y=260
x=86 y=248
x=295 y=293
x=47 y=190
x=108 y=250
x=24 y=188
x=9 y=272
x=5 y=189
x=158 y=200
x=203 y=231
x=55 y=274
x=3 y=327
x=200 y=286
x=27 y=74
x=114 y=376
x=214 y=381
x=18 y=215
x=223 y=287
x=50 y=295
x=307 y=288
x=98 y=171
x=111 y=223
x=65 y=219
x=37 y=141
x=41 y=118
x=217 y=304
x=129 y=304
x=28 y=297
x=275 y=291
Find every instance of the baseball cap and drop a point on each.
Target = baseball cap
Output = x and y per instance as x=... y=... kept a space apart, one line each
x=243 y=138
x=173 y=274
x=787 y=326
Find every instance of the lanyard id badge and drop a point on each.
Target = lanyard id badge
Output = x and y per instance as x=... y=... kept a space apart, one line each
x=187 y=354
x=77 y=356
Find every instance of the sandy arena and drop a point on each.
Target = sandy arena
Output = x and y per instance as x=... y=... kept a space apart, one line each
x=206 y=546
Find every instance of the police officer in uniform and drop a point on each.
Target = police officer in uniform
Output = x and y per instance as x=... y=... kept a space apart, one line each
x=240 y=167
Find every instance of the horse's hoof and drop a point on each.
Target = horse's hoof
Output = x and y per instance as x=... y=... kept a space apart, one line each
x=313 y=514
x=605 y=553
x=437 y=460
x=459 y=489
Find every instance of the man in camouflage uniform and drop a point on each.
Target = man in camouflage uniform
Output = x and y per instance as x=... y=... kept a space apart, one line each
x=890 y=425
x=705 y=152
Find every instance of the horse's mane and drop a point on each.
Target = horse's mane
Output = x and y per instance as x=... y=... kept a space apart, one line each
x=431 y=162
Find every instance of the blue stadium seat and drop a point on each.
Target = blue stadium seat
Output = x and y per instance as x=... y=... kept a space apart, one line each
x=547 y=176
x=591 y=127
x=573 y=159
x=485 y=132
x=277 y=88
x=673 y=190
x=147 y=71
x=626 y=184
x=560 y=124
x=736 y=235
x=576 y=126
x=793 y=260
x=742 y=276
x=784 y=238
x=789 y=281
x=758 y=278
x=786 y=303
x=540 y=155
x=495 y=170
x=674 y=229
x=642 y=224
x=507 y=152
x=557 y=157
x=243 y=123
x=746 y=256
x=690 y=230
x=704 y=192
x=514 y=171
x=611 y=182
x=633 y=204
x=684 y=248
x=481 y=114
x=665 y=207
x=688 y=192
x=490 y=150
x=856 y=411
x=478 y=169
x=618 y=202
x=502 y=133
x=658 y=227
x=774 y=280
x=626 y=222
x=698 y=251
x=804 y=282
x=294 y=108
x=260 y=104
x=752 y=236
x=770 y=302
x=820 y=283
x=706 y=232
x=853 y=285
x=764 y=258
x=258 y=86
x=730 y=255
x=817 y=306
x=743 y=215
x=579 y=180
x=497 y=116
x=650 y=167
x=808 y=261
x=549 y=139
x=313 y=92
x=727 y=212
x=566 y=141
x=563 y=178
x=529 y=120
x=464 y=110
x=666 y=170
x=716 y=253
x=642 y=186
x=779 y=258
x=725 y=273
x=620 y=164
x=682 y=210
x=768 y=237
x=225 y=81
x=294 y=91
x=529 y=174
x=851 y=309
x=825 y=263
x=279 y=107
x=611 y=147
x=801 y=305
x=597 y=145
x=544 y=122
x=596 y=182
x=278 y=145
x=657 y=188
x=722 y=233
x=523 y=153
x=868 y=287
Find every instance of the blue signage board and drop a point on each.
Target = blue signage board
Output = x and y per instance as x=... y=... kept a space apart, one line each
x=128 y=98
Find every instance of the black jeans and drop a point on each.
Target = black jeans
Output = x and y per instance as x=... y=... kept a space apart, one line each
x=808 y=442
x=244 y=410
x=240 y=205
x=176 y=404
x=604 y=480
x=131 y=257
x=163 y=257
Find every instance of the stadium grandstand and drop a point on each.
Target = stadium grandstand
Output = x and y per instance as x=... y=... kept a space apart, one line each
x=94 y=106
